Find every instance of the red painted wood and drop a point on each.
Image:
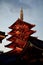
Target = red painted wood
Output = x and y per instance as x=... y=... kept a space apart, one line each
x=20 y=34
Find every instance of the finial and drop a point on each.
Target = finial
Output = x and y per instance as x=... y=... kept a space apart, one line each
x=21 y=14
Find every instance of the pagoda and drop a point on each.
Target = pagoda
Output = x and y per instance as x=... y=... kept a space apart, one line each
x=20 y=34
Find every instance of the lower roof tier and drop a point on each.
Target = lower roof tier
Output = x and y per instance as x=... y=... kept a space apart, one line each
x=19 y=42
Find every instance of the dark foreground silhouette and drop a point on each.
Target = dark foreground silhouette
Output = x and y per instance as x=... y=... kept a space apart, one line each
x=28 y=57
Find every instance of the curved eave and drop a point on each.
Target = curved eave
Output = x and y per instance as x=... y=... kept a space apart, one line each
x=11 y=39
x=29 y=32
x=36 y=42
x=23 y=22
x=11 y=45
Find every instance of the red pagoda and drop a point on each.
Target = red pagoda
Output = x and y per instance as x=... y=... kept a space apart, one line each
x=20 y=34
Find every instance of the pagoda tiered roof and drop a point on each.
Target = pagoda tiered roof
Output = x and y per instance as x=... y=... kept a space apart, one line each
x=21 y=22
x=20 y=33
x=16 y=32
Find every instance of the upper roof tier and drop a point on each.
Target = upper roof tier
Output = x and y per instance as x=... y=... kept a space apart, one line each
x=21 y=22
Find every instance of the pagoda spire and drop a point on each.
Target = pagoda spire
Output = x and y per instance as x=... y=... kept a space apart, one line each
x=21 y=14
